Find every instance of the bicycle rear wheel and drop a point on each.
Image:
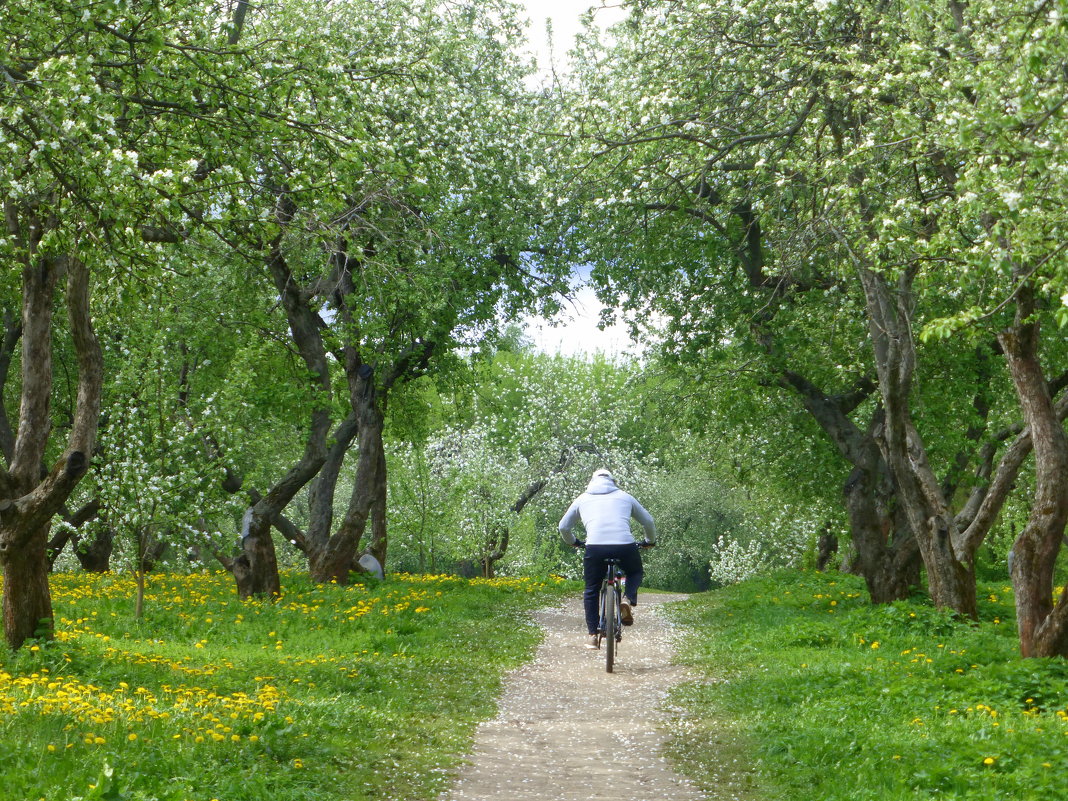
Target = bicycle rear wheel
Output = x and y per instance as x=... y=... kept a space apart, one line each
x=611 y=618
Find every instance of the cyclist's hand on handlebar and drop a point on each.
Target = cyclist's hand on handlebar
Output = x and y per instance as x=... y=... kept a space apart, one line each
x=646 y=544
x=579 y=543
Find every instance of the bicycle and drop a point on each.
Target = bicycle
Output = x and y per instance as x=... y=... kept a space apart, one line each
x=610 y=625
x=610 y=598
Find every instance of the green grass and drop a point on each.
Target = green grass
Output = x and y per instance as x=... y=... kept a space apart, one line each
x=363 y=692
x=838 y=700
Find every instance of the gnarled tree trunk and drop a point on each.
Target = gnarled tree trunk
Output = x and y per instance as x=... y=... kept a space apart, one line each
x=1042 y=625
x=885 y=551
x=947 y=555
x=28 y=499
x=27 y=598
x=332 y=557
x=256 y=568
x=94 y=554
x=367 y=504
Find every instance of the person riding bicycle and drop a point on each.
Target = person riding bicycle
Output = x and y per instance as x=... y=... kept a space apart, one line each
x=605 y=512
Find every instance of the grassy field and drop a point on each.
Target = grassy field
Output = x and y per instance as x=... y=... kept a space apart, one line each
x=371 y=691
x=837 y=700
x=360 y=692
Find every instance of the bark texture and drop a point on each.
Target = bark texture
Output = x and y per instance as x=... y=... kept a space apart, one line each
x=1042 y=624
x=256 y=568
x=885 y=552
x=947 y=555
x=29 y=495
x=334 y=555
x=94 y=555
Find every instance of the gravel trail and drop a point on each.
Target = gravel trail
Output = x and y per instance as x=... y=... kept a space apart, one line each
x=569 y=731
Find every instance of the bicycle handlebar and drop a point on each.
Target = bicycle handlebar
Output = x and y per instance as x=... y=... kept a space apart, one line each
x=643 y=544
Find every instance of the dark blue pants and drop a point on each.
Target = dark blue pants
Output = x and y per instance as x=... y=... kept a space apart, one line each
x=594 y=570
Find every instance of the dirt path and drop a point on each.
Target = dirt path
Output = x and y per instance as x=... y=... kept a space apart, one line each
x=553 y=739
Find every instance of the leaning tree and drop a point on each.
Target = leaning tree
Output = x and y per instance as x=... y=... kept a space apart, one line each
x=403 y=232
x=89 y=154
x=120 y=125
x=817 y=161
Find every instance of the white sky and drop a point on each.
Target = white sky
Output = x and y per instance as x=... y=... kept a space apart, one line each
x=565 y=22
x=577 y=333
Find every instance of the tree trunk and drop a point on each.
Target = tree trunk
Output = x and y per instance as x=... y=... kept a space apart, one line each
x=27 y=598
x=28 y=499
x=260 y=577
x=379 y=545
x=330 y=557
x=950 y=569
x=68 y=533
x=826 y=547
x=496 y=546
x=1042 y=626
x=884 y=551
x=950 y=579
x=8 y=345
x=367 y=503
x=256 y=568
x=154 y=551
x=95 y=555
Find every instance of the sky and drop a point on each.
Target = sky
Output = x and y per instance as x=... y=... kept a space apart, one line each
x=565 y=22
x=577 y=332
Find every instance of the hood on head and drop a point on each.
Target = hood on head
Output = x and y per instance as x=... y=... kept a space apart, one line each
x=601 y=483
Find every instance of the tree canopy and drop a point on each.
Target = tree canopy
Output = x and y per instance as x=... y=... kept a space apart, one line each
x=258 y=255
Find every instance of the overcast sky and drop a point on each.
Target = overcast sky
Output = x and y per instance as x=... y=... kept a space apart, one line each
x=565 y=23
x=578 y=333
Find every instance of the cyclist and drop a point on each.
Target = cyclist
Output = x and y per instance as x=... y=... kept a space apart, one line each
x=605 y=512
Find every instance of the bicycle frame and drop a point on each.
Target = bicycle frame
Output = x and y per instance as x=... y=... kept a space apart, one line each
x=610 y=625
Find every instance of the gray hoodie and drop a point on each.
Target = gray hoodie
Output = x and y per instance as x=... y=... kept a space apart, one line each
x=605 y=511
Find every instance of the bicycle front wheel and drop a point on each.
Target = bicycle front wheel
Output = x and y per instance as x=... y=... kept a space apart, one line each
x=611 y=621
